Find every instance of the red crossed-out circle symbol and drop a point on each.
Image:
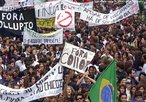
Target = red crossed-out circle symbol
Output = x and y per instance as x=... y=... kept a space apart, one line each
x=64 y=19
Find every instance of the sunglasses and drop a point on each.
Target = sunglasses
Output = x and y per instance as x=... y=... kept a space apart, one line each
x=79 y=98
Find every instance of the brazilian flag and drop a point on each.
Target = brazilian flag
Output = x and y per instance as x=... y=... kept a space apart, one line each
x=105 y=88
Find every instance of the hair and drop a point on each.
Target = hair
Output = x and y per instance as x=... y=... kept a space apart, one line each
x=120 y=64
x=79 y=94
x=65 y=92
x=138 y=93
x=141 y=73
x=121 y=94
x=132 y=95
x=129 y=70
x=122 y=85
x=139 y=86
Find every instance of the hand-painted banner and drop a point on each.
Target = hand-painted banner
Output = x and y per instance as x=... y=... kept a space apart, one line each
x=33 y=38
x=42 y=1
x=75 y=6
x=16 y=20
x=75 y=58
x=97 y=18
x=48 y=9
x=65 y=19
x=49 y=85
x=10 y=5
x=45 y=22
x=10 y=2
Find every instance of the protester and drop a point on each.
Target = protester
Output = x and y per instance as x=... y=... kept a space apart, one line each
x=122 y=97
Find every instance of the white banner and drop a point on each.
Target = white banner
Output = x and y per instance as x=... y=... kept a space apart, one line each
x=49 y=85
x=77 y=7
x=15 y=4
x=65 y=19
x=39 y=1
x=75 y=58
x=42 y=1
x=33 y=38
x=97 y=18
x=48 y=9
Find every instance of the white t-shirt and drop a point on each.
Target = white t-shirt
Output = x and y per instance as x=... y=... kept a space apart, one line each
x=35 y=63
x=144 y=68
x=21 y=65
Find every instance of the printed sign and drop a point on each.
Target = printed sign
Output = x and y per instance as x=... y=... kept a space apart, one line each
x=16 y=20
x=45 y=22
x=50 y=84
x=65 y=19
x=33 y=38
x=75 y=58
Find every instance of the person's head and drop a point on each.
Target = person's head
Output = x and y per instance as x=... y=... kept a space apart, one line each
x=21 y=81
x=16 y=73
x=57 y=48
x=30 y=69
x=11 y=48
x=23 y=56
x=125 y=55
x=1 y=60
x=87 y=80
x=34 y=51
x=61 y=97
x=69 y=91
x=133 y=90
x=122 y=88
x=32 y=57
x=1 y=70
x=131 y=72
x=141 y=76
x=79 y=98
x=120 y=65
x=123 y=81
x=15 y=52
x=66 y=76
x=91 y=70
x=9 y=76
x=141 y=88
x=33 y=80
x=138 y=96
x=128 y=84
x=51 y=49
x=12 y=63
x=123 y=97
x=28 y=48
x=41 y=67
x=86 y=100
x=24 y=82
x=16 y=86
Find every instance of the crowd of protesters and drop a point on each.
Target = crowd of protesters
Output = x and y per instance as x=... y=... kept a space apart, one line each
x=22 y=65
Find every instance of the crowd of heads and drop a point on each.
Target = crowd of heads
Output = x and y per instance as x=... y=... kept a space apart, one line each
x=23 y=65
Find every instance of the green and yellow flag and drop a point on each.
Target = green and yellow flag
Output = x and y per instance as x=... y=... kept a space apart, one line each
x=105 y=88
